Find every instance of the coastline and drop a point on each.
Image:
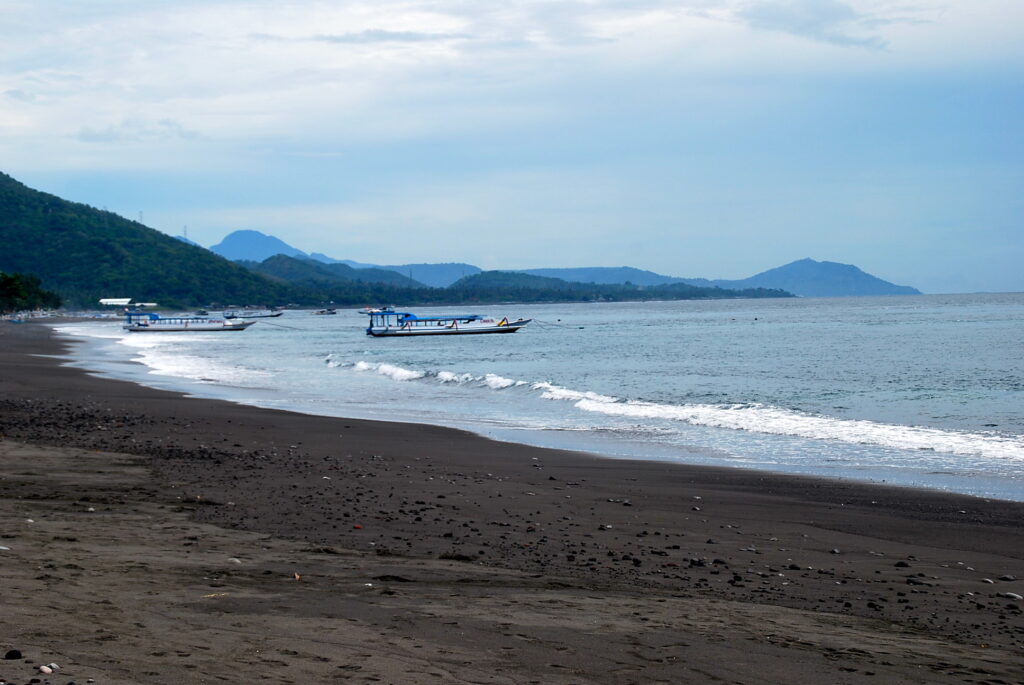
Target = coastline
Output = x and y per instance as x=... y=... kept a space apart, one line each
x=678 y=572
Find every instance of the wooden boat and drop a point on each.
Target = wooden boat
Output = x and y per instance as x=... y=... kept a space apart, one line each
x=146 y=322
x=252 y=313
x=387 y=322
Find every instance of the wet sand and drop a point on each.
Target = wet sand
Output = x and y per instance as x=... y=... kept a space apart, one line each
x=177 y=540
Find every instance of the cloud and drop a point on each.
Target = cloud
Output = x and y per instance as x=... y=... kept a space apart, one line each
x=382 y=36
x=366 y=37
x=136 y=130
x=20 y=95
x=828 y=21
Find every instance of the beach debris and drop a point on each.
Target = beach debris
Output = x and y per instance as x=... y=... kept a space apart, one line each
x=215 y=594
x=297 y=576
x=13 y=654
x=29 y=521
x=5 y=549
x=988 y=580
x=1007 y=578
x=1011 y=595
x=357 y=526
x=834 y=550
x=234 y=560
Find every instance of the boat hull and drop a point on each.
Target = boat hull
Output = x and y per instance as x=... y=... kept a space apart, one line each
x=252 y=315
x=186 y=328
x=392 y=332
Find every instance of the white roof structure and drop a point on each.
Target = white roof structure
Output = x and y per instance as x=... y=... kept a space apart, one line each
x=124 y=302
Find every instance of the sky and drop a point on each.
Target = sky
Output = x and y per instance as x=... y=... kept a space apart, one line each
x=695 y=138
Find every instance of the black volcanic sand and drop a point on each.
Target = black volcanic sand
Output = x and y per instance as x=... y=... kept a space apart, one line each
x=153 y=538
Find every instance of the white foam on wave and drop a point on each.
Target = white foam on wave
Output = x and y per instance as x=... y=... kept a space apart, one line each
x=775 y=421
x=556 y=392
x=496 y=382
x=399 y=373
x=452 y=377
x=392 y=371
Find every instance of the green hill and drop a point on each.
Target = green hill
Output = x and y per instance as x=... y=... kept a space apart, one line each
x=300 y=269
x=493 y=286
x=84 y=254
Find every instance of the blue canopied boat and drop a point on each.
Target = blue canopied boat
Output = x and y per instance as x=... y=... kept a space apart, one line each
x=389 y=323
x=149 y=322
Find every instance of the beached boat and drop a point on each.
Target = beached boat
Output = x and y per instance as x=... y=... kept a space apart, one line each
x=389 y=323
x=147 y=322
x=252 y=313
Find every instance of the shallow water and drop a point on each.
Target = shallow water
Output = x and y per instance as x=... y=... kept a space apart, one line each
x=925 y=391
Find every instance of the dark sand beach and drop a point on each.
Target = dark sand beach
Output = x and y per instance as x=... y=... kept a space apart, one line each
x=152 y=538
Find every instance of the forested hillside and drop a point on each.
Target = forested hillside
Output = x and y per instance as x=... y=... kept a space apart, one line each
x=85 y=253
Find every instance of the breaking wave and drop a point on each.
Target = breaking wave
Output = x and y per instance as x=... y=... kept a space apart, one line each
x=759 y=418
x=753 y=418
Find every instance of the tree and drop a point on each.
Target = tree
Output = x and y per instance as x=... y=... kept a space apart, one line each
x=24 y=291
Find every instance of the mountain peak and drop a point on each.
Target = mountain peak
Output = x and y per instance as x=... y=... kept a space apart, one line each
x=253 y=246
x=810 y=278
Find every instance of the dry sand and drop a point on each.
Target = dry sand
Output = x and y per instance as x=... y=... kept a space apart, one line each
x=153 y=538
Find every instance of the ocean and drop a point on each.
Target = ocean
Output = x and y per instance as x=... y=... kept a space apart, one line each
x=922 y=391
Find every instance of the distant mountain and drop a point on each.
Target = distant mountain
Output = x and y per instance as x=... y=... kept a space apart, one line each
x=84 y=254
x=321 y=257
x=433 y=275
x=513 y=279
x=605 y=274
x=436 y=275
x=512 y=286
x=306 y=270
x=253 y=246
x=810 y=278
x=805 y=277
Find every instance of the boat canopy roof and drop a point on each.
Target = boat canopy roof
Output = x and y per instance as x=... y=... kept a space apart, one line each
x=409 y=316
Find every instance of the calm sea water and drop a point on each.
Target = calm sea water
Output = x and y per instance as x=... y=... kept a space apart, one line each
x=923 y=391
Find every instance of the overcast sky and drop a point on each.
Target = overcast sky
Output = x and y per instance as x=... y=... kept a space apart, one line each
x=712 y=138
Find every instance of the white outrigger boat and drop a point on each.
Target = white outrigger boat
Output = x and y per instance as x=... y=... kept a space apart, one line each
x=148 y=322
x=252 y=313
x=389 y=323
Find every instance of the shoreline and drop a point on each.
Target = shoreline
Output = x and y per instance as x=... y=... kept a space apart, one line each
x=96 y=360
x=879 y=564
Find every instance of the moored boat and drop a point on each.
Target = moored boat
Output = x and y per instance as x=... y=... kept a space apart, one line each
x=252 y=313
x=147 y=322
x=389 y=323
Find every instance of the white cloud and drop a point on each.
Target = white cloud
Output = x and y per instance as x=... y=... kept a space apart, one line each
x=459 y=117
x=830 y=21
x=228 y=70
